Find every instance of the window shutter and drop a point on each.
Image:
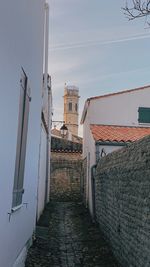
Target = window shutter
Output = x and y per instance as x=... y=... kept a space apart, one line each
x=144 y=115
x=21 y=140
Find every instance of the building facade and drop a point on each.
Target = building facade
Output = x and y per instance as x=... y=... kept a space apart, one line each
x=23 y=29
x=110 y=122
x=45 y=147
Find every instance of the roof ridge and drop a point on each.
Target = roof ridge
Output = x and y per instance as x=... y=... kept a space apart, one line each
x=119 y=92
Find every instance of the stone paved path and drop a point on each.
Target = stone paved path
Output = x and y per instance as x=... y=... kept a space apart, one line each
x=66 y=237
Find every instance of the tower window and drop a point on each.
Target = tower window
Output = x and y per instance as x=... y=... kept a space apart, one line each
x=70 y=106
x=76 y=107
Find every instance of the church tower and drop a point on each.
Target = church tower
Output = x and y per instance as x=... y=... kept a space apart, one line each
x=71 y=107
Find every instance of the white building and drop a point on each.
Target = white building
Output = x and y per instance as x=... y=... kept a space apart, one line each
x=44 y=152
x=23 y=28
x=110 y=122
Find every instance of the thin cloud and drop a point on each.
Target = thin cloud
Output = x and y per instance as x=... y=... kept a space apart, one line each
x=99 y=78
x=95 y=43
x=62 y=66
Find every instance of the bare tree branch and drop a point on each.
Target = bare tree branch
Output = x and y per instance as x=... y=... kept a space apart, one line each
x=137 y=9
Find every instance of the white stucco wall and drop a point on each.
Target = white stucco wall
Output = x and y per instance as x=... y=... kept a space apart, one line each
x=89 y=152
x=120 y=109
x=21 y=45
x=42 y=173
x=108 y=149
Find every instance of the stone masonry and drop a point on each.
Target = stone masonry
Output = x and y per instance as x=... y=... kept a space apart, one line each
x=123 y=202
x=66 y=170
x=66 y=174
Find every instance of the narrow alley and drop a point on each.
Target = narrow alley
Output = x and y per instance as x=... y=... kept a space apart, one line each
x=66 y=237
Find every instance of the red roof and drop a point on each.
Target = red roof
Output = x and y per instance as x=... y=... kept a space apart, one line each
x=56 y=132
x=112 y=133
x=120 y=92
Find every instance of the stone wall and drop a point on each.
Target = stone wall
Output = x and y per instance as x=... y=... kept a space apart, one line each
x=66 y=156
x=122 y=192
x=66 y=175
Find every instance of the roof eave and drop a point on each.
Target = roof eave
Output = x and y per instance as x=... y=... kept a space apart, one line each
x=112 y=143
x=86 y=105
x=120 y=92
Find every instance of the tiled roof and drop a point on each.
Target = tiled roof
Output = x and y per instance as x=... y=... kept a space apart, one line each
x=112 y=133
x=75 y=138
x=56 y=132
x=120 y=92
x=62 y=145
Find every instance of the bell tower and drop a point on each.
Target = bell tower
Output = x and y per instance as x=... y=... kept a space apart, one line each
x=71 y=107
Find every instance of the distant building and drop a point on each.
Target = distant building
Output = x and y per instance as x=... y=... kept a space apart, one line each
x=71 y=107
x=74 y=138
x=66 y=152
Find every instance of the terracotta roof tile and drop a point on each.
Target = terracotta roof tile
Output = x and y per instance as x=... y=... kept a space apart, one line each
x=63 y=145
x=112 y=133
x=56 y=132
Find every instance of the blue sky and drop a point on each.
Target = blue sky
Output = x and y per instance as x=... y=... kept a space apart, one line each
x=93 y=46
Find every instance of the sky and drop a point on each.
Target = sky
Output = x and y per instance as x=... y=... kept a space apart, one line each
x=93 y=46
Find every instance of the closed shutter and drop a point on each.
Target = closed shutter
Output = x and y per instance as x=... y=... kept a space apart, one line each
x=144 y=115
x=21 y=140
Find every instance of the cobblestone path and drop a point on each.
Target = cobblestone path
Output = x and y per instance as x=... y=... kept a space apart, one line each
x=66 y=237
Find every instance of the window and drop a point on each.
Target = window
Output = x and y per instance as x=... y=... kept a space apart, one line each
x=70 y=106
x=144 y=115
x=76 y=107
x=21 y=140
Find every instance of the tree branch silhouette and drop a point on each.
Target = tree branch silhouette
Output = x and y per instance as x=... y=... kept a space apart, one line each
x=137 y=9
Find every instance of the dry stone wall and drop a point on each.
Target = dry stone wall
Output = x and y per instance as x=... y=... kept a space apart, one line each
x=122 y=199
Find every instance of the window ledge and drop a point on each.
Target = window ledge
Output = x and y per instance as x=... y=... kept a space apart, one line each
x=16 y=208
x=144 y=123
